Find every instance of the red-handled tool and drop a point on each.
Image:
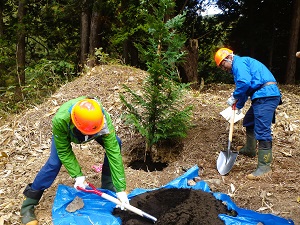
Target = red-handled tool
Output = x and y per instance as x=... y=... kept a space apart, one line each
x=117 y=201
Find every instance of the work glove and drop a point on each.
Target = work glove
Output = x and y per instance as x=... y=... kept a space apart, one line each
x=122 y=196
x=80 y=182
x=231 y=100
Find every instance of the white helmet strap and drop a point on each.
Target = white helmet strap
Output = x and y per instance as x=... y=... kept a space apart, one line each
x=229 y=60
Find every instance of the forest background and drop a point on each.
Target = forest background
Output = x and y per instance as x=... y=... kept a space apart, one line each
x=46 y=43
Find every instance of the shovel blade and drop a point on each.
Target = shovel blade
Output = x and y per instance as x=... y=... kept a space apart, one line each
x=226 y=161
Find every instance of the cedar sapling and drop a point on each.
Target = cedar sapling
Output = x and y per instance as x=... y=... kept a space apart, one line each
x=157 y=112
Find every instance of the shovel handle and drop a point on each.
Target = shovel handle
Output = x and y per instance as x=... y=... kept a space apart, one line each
x=117 y=202
x=129 y=207
x=231 y=124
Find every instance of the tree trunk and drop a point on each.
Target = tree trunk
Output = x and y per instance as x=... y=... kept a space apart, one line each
x=1 y=36
x=130 y=53
x=126 y=56
x=272 y=40
x=133 y=55
x=94 y=35
x=252 y=41
x=189 y=69
x=84 y=33
x=294 y=38
x=1 y=19
x=20 y=51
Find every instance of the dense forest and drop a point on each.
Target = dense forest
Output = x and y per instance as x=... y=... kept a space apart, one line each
x=47 y=43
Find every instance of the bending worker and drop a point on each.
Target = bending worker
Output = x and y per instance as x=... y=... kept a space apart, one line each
x=253 y=79
x=79 y=120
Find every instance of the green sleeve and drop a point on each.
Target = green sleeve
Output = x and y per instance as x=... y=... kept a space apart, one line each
x=114 y=156
x=65 y=152
x=62 y=140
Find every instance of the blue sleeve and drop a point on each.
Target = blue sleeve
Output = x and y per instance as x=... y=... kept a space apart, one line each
x=242 y=79
x=241 y=102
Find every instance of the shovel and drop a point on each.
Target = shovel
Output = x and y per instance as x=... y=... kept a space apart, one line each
x=227 y=158
x=118 y=202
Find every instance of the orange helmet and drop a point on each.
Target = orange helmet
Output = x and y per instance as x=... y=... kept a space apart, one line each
x=87 y=116
x=221 y=54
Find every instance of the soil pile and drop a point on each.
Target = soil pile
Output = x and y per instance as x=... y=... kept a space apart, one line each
x=175 y=206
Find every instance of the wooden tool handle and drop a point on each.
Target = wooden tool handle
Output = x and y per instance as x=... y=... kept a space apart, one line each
x=232 y=122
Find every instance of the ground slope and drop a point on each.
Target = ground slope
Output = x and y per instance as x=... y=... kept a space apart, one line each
x=25 y=141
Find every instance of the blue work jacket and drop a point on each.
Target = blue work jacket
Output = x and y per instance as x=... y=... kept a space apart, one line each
x=249 y=76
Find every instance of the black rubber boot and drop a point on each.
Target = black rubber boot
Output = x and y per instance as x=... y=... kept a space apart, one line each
x=249 y=148
x=106 y=183
x=264 y=160
x=106 y=180
x=32 y=198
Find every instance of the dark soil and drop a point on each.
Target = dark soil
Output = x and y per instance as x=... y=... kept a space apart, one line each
x=147 y=165
x=175 y=206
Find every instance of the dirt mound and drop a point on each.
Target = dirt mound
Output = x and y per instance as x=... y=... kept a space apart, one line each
x=25 y=141
x=175 y=206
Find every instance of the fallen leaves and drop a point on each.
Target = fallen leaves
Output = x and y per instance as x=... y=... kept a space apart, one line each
x=25 y=141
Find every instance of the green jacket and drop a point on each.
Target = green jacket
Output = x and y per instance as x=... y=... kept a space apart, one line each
x=63 y=127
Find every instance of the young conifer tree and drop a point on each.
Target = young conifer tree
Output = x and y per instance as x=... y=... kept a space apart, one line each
x=157 y=111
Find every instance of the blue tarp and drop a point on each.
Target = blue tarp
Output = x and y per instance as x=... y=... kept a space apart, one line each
x=98 y=211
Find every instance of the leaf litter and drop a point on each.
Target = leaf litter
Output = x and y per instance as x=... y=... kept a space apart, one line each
x=25 y=140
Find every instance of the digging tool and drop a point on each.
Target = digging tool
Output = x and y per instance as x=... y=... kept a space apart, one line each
x=227 y=158
x=117 y=201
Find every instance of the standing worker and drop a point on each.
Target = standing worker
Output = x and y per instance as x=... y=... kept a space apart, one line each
x=79 y=120
x=253 y=79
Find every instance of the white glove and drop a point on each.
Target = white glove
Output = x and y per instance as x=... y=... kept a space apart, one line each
x=238 y=111
x=80 y=182
x=122 y=196
x=231 y=100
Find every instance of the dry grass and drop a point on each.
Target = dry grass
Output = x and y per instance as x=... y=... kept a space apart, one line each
x=25 y=141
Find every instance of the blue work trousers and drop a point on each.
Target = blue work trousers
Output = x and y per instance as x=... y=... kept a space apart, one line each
x=50 y=170
x=260 y=115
